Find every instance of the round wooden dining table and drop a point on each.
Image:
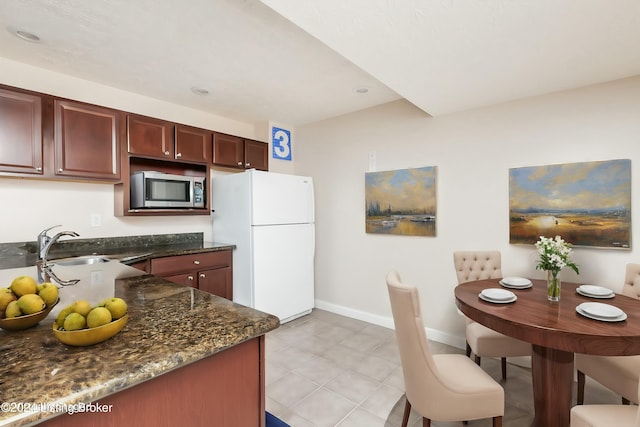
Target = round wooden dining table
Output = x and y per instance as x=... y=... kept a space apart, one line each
x=556 y=331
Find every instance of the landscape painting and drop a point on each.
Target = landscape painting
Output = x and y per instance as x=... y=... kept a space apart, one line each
x=401 y=202
x=587 y=204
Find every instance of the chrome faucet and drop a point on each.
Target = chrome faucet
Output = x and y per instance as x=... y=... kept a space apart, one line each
x=45 y=242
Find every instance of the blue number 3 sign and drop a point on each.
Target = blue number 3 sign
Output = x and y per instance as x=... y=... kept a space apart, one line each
x=281 y=143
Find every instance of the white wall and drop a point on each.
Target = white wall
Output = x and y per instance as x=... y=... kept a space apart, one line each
x=28 y=206
x=473 y=151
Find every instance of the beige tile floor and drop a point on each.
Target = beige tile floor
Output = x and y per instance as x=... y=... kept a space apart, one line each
x=326 y=370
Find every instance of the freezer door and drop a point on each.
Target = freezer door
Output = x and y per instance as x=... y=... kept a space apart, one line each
x=281 y=199
x=283 y=269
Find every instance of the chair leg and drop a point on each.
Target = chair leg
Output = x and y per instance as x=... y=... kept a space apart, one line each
x=625 y=401
x=497 y=421
x=468 y=349
x=426 y=422
x=581 y=381
x=503 y=362
x=407 y=411
x=477 y=360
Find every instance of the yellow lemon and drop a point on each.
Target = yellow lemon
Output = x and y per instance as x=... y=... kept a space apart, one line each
x=48 y=292
x=74 y=322
x=24 y=285
x=98 y=316
x=13 y=310
x=31 y=303
x=5 y=299
x=116 y=306
x=63 y=315
x=82 y=307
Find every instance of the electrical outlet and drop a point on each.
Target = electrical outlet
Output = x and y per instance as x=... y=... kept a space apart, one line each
x=96 y=220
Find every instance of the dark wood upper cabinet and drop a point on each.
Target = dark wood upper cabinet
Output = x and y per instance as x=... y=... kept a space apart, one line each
x=150 y=137
x=228 y=150
x=20 y=132
x=193 y=144
x=86 y=141
x=239 y=153
x=256 y=155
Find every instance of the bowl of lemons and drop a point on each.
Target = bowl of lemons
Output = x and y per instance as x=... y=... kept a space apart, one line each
x=25 y=303
x=81 y=324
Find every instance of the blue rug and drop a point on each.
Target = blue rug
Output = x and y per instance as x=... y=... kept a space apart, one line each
x=273 y=421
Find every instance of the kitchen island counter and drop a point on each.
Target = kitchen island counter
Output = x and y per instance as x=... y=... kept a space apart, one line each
x=171 y=329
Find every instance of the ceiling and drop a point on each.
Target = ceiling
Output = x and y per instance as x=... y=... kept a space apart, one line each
x=296 y=62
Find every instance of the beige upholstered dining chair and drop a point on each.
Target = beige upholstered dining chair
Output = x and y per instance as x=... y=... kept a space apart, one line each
x=618 y=373
x=443 y=387
x=606 y=415
x=482 y=341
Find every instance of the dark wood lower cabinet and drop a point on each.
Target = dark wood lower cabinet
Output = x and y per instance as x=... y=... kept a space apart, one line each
x=209 y=271
x=223 y=390
x=216 y=281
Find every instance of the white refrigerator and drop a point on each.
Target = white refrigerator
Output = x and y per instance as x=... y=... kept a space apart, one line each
x=270 y=218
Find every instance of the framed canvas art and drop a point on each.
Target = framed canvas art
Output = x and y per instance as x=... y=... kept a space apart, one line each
x=401 y=202
x=587 y=204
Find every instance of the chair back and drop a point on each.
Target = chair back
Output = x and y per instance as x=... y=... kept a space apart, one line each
x=477 y=265
x=631 y=287
x=423 y=385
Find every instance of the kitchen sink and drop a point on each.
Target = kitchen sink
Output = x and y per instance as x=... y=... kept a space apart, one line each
x=80 y=260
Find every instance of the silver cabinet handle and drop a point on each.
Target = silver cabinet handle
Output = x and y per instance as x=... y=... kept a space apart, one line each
x=39 y=169
x=60 y=170
x=248 y=164
x=196 y=262
x=189 y=277
x=202 y=276
x=178 y=155
x=166 y=153
x=239 y=163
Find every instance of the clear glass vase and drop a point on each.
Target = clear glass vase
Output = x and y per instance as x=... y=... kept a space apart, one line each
x=553 y=286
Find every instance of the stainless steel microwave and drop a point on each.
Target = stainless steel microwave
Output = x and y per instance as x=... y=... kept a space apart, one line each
x=159 y=190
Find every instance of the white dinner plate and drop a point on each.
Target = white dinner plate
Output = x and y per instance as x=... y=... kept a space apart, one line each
x=516 y=281
x=601 y=310
x=497 y=294
x=620 y=318
x=506 y=301
x=506 y=285
x=581 y=292
x=596 y=291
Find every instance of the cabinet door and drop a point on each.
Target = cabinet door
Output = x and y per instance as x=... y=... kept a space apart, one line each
x=256 y=155
x=141 y=265
x=20 y=132
x=217 y=281
x=187 y=279
x=86 y=141
x=193 y=144
x=150 y=137
x=228 y=150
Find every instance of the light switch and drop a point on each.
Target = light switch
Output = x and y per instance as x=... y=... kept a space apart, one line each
x=96 y=220
x=372 y=161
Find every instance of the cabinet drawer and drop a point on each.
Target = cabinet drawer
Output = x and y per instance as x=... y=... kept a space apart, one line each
x=193 y=262
x=186 y=279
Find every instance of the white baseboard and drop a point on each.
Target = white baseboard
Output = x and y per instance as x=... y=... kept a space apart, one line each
x=387 y=322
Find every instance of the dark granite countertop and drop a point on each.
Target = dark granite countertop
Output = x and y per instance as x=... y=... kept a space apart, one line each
x=128 y=249
x=169 y=326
